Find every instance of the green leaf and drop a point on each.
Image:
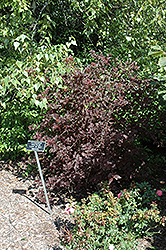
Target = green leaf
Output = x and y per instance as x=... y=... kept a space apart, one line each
x=43 y=103
x=24 y=238
x=37 y=86
x=37 y=103
x=6 y=80
x=15 y=82
x=42 y=78
x=156 y=47
x=19 y=64
x=22 y=38
x=162 y=61
x=164 y=97
x=162 y=92
x=25 y=73
x=52 y=58
x=155 y=53
x=39 y=56
x=128 y=38
x=28 y=80
x=47 y=57
x=3 y=104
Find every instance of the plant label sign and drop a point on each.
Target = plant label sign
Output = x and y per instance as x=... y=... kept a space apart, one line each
x=38 y=146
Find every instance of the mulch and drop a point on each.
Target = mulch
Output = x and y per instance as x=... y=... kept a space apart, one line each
x=24 y=223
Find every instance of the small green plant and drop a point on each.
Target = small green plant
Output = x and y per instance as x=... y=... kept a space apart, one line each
x=104 y=221
x=148 y=194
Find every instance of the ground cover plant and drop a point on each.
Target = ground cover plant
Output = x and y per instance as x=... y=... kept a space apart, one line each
x=105 y=221
x=94 y=124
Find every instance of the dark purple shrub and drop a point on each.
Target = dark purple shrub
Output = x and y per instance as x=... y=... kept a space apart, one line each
x=93 y=123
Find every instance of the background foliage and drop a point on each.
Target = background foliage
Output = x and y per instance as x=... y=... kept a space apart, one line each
x=25 y=69
x=36 y=35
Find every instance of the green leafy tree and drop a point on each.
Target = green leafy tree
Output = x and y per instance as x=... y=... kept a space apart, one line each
x=27 y=67
x=125 y=28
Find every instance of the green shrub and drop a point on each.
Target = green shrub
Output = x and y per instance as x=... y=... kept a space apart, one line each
x=103 y=220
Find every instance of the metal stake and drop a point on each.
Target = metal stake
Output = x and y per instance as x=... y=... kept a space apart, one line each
x=42 y=179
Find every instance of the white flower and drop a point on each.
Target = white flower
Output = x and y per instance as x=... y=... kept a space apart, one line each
x=69 y=209
x=111 y=247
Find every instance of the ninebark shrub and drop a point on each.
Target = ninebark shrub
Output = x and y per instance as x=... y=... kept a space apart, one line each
x=93 y=122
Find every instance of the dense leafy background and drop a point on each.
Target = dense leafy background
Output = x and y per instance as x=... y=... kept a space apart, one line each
x=35 y=37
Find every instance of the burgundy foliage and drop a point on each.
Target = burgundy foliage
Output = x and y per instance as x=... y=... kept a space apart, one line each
x=93 y=122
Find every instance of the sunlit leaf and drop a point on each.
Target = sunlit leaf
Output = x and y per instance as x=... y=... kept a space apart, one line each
x=164 y=97
x=128 y=38
x=16 y=45
x=22 y=38
x=155 y=53
x=39 y=56
x=162 y=61
x=42 y=78
x=25 y=73
x=156 y=47
x=47 y=57
x=19 y=64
